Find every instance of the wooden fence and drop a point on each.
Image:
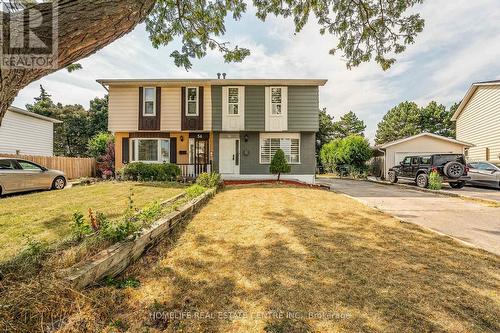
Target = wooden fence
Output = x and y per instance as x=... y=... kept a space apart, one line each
x=73 y=167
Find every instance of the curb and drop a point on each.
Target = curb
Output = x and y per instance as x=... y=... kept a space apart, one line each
x=438 y=192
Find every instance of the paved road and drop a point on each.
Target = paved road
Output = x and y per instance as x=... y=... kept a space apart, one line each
x=468 y=221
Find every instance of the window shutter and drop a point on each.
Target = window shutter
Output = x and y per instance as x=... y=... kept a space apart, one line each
x=173 y=150
x=125 y=151
x=200 y=108
x=158 y=108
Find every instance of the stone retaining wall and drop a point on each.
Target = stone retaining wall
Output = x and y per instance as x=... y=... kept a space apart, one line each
x=113 y=260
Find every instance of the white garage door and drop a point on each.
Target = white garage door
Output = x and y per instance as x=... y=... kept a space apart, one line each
x=399 y=156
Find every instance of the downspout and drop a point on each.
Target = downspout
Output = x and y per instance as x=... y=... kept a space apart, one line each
x=383 y=167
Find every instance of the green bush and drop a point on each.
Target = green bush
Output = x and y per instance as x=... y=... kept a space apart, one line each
x=195 y=190
x=151 y=171
x=98 y=143
x=435 y=181
x=279 y=164
x=353 y=151
x=211 y=179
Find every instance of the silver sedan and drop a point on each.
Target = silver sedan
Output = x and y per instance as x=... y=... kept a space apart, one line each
x=20 y=175
x=484 y=173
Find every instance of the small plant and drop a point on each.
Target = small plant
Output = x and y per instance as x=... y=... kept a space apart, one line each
x=149 y=213
x=435 y=181
x=125 y=283
x=208 y=180
x=279 y=164
x=80 y=227
x=195 y=190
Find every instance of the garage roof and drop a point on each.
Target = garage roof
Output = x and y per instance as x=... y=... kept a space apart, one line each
x=392 y=143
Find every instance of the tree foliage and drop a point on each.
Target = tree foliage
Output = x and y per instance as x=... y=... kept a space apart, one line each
x=365 y=29
x=78 y=125
x=98 y=144
x=349 y=124
x=279 y=164
x=325 y=131
x=353 y=151
x=407 y=119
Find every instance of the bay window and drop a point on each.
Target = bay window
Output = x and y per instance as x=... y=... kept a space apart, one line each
x=149 y=97
x=150 y=150
x=271 y=142
x=192 y=101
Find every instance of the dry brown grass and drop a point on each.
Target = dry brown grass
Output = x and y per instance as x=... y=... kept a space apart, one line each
x=264 y=251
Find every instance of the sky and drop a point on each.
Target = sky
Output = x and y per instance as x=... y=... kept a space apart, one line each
x=460 y=45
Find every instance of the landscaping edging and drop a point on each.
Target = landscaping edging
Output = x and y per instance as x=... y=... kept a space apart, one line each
x=113 y=260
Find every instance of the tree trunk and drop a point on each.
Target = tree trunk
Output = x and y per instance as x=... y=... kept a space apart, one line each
x=84 y=27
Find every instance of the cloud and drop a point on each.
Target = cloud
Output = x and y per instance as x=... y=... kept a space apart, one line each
x=460 y=45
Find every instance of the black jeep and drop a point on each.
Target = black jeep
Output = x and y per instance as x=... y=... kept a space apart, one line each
x=451 y=167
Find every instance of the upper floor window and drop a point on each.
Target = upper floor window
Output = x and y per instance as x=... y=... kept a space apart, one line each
x=192 y=101
x=233 y=101
x=276 y=101
x=149 y=107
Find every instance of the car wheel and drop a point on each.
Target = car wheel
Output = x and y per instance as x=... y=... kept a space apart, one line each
x=392 y=177
x=454 y=169
x=457 y=184
x=422 y=180
x=59 y=183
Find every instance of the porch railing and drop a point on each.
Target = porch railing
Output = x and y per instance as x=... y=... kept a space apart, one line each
x=193 y=170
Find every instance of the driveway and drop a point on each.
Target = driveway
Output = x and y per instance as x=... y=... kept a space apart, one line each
x=470 y=222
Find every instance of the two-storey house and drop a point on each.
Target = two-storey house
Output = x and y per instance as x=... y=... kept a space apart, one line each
x=233 y=127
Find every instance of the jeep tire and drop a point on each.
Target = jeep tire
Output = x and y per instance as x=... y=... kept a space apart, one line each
x=453 y=170
x=422 y=180
x=459 y=184
x=392 y=177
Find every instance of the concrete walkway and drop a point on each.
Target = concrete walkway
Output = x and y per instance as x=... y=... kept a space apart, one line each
x=467 y=221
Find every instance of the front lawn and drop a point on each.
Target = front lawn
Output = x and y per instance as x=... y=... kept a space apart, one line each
x=279 y=259
x=47 y=216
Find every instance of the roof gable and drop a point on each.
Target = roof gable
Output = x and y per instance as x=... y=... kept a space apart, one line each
x=470 y=93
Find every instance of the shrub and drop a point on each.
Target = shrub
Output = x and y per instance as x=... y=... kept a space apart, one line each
x=98 y=143
x=353 y=151
x=279 y=164
x=435 y=181
x=151 y=171
x=195 y=190
x=211 y=179
x=80 y=227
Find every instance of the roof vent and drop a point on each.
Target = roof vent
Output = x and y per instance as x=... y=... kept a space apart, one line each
x=218 y=76
x=224 y=76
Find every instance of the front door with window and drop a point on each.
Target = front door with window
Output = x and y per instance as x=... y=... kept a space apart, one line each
x=229 y=156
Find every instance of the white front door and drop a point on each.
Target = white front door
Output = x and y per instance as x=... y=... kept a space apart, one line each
x=229 y=156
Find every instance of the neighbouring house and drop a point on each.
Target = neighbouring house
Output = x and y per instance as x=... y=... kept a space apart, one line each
x=421 y=144
x=27 y=133
x=478 y=121
x=233 y=127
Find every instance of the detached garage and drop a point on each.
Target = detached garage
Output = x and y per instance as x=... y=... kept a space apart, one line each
x=420 y=144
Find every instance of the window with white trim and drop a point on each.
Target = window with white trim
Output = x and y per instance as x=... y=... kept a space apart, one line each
x=233 y=99
x=276 y=101
x=149 y=97
x=191 y=101
x=151 y=150
x=270 y=144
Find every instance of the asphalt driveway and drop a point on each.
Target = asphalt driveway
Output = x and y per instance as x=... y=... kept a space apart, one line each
x=470 y=222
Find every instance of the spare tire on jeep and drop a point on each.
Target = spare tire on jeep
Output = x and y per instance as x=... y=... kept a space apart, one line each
x=453 y=169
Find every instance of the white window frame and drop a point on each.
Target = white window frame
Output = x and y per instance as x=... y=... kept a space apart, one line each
x=197 y=102
x=144 y=102
x=271 y=102
x=237 y=103
x=265 y=136
x=134 y=149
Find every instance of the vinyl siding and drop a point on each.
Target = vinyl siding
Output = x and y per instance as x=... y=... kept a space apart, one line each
x=170 y=108
x=303 y=108
x=250 y=162
x=207 y=108
x=479 y=124
x=123 y=109
x=255 y=108
x=31 y=136
x=216 y=98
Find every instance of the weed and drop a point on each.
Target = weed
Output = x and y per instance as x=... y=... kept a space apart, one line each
x=435 y=181
x=195 y=190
